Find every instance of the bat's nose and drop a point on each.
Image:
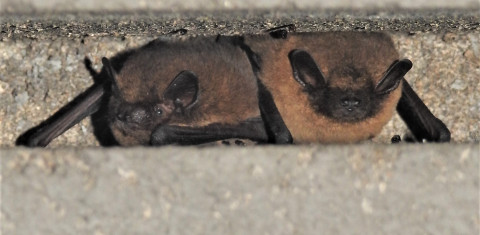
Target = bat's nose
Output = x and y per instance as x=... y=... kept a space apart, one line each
x=132 y=114
x=138 y=115
x=121 y=116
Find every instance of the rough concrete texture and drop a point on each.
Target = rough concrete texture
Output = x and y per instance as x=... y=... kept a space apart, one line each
x=41 y=59
x=358 y=189
x=354 y=189
x=19 y=6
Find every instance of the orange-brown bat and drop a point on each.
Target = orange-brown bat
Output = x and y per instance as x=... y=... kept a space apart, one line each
x=340 y=87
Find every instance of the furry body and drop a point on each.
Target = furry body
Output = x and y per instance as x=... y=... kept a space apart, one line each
x=332 y=87
x=334 y=52
x=224 y=75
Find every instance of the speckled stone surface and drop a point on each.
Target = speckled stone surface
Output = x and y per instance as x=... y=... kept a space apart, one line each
x=336 y=189
x=356 y=189
x=41 y=58
x=25 y=6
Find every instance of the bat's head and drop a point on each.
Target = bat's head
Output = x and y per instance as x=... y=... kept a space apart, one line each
x=348 y=93
x=133 y=122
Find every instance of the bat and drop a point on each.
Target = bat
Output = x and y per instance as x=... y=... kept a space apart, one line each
x=188 y=91
x=306 y=104
x=340 y=87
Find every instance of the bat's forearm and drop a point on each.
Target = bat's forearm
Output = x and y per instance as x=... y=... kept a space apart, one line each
x=253 y=129
x=81 y=107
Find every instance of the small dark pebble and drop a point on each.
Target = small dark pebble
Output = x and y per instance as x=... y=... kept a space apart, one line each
x=225 y=142
x=239 y=143
x=396 y=139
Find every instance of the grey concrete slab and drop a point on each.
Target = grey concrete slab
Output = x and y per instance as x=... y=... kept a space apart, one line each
x=357 y=189
x=155 y=23
x=128 y=5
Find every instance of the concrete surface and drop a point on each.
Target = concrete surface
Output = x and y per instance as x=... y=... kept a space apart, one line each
x=353 y=189
x=22 y=6
x=358 y=189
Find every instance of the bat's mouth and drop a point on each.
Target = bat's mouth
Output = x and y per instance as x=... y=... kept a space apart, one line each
x=350 y=114
x=130 y=133
x=127 y=127
x=354 y=118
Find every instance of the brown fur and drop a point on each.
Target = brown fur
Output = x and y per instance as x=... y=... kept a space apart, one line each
x=227 y=85
x=373 y=52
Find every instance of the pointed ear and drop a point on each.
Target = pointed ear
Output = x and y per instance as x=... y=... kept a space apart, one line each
x=183 y=90
x=305 y=70
x=108 y=66
x=112 y=75
x=393 y=76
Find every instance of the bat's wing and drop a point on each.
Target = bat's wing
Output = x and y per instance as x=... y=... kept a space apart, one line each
x=276 y=128
x=82 y=106
x=421 y=122
x=252 y=129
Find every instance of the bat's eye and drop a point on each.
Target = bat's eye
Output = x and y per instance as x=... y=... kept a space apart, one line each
x=347 y=102
x=350 y=103
x=158 y=110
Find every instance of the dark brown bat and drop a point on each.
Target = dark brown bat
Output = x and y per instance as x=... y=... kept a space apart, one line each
x=188 y=91
x=340 y=86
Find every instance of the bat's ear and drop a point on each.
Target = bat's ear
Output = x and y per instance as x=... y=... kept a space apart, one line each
x=112 y=74
x=393 y=76
x=108 y=66
x=305 y=70
x=183 y=90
